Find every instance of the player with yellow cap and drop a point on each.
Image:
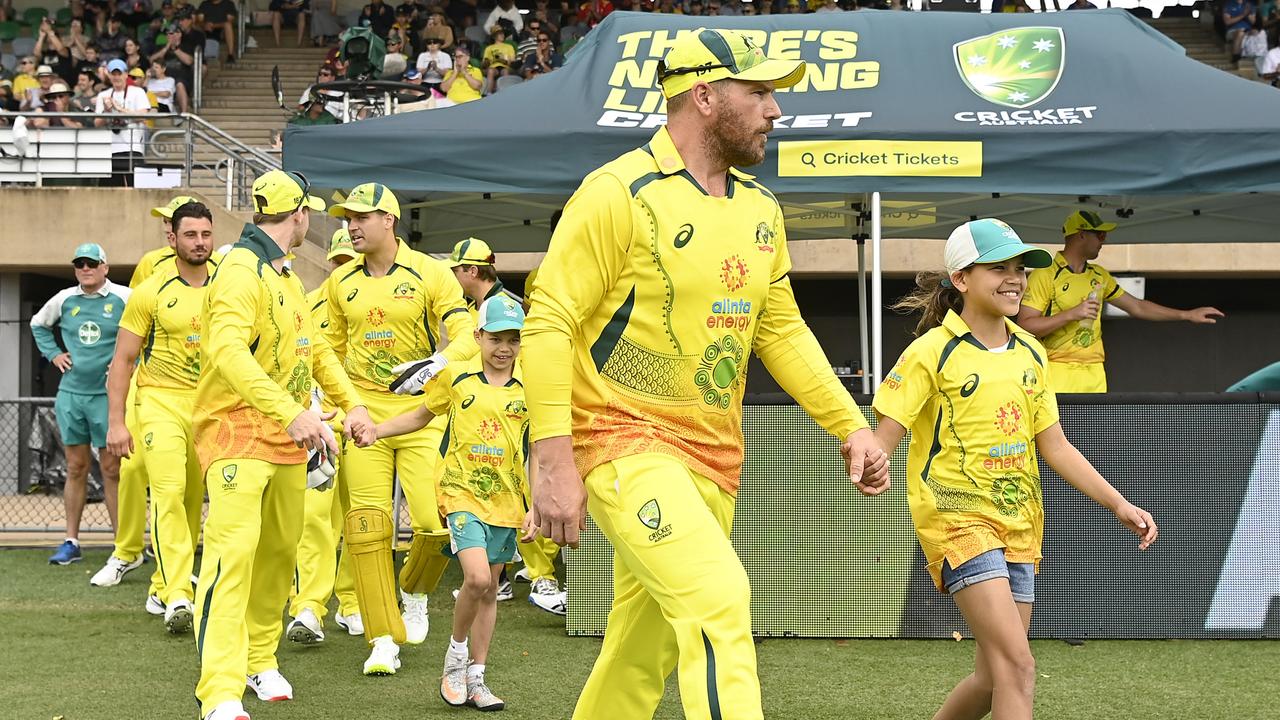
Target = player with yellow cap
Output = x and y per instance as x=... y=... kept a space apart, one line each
x=320 y=573
x=255 y=425
x=474 y=265
x=387 y=308
x=1063 y=306
x=668 y=268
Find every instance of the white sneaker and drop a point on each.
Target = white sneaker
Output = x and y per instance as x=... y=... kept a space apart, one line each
x=415 y=618
x=270 y=686
x=505 y=591
x=385 y=657
x=480 y=697
x=305 y=629
x=229 y=710
x=547 y=595
x=453 y=682
x=351 y=623
x=178 y=616
x=154 y=606
x=522 y=575
x=113 y=571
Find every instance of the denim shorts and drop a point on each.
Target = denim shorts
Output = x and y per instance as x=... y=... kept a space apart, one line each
x=991 y=564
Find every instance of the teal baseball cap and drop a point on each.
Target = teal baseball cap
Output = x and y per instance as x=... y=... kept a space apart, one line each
x=985 y=241
x=500 y=313
x=90 y=251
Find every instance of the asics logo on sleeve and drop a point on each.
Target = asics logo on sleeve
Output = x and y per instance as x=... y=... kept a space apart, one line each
x=172 y=303
x=352 y=295
x=684 y=236
x=970 y=386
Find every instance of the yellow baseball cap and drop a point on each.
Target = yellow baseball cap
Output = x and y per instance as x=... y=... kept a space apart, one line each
x=472 y=251
x=340 y=245
x=708 y=55
x=166 y=211
x=1085 y=220
x=368 y=198
x=278 y=192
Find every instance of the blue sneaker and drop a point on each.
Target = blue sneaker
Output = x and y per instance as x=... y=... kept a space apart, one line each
x=67 y=553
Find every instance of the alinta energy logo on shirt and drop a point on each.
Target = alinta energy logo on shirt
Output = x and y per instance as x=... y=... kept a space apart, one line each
x=1016 y=68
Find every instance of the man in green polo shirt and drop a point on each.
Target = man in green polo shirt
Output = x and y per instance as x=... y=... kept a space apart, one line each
x=88 y=315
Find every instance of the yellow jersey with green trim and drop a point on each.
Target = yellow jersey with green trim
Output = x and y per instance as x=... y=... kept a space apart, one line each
x=377 y=323
x=1056 y=288
x=972 y=478
x=651 y=297
x=260 y=359
x=485 y=443
x=160 y=261
x=165 y=312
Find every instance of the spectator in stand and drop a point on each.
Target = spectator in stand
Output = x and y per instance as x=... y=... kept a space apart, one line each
x=592 y=12
x=528 y=39
x=289 y=12
x=543 y=60
x=396 y=61
x=1270 y=66
x=57 y=99
x=134 y=14
x=51 y=51
x=171 y=96
x=696 y=9
x=85 y=93
x=436 y=27
x=497 y=59
x=314 y=112
x=127 y=136
x=148 y=36
x=508 y=11
x=190 y=47
x=35 y=96
x=7 y=12
x=378 y=17
x=133 y=56
x=1237 y=17
x=330 y=99
x=111 y=42
x=433 y=63
x=1082 y=5
x=462 y=83
x=829 y=6
x=76 y=41
x=325 y=27
x=793 y=7
x=25 y=79
x=730 y=8
x=94 y=65
x=7 y=103
x=217 y=18
x=461 y=13
x=403 y=26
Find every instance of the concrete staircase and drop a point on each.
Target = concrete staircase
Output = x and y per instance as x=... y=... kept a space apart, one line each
x=1203 y=44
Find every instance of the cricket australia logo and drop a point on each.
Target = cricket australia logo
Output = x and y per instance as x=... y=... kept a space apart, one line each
x=650 y=514
x=1016 y=67
x=229 y=477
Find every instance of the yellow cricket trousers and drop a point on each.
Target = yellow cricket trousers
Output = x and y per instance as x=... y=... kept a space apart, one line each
x=177 y=486
x=681 y=596
x=250 y=540
x=131 y=493
x=371 y=472
x=320 y=573
x=1077 y=377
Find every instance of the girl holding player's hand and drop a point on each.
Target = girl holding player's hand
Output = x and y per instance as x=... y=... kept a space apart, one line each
x=974 y=390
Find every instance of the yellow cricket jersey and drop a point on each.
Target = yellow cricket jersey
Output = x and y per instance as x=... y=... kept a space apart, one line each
x=650 y=298
x=1056 y=288
x=161 y=261
x=165 y=312
x=259 y=358
x=972 y=478
x=485 y=444
x=377 y=323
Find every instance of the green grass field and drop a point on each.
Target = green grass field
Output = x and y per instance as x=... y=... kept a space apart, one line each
x=77 y=652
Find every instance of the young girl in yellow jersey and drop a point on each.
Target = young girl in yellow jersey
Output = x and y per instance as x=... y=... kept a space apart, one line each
x=481 y=491
x=974 y=391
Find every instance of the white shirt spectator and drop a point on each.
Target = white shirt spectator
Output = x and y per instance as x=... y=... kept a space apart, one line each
x=1270 y=62
x=512 y=13
x=443 y=63
x=166 y=84
x=132 y=100
x=332 y=104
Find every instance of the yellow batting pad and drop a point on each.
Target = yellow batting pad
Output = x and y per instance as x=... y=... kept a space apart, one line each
x=369 y=535
x=424 y=564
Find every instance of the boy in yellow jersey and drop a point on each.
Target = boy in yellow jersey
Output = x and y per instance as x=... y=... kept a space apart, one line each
x=162 y=324
x=386 y=308
x=319 y=572
x=1063 y=306
x=473 y=264
x=481 y=490
x=253 y=434
x=668 y=267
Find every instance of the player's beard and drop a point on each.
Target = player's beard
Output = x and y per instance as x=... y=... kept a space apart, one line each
x=192 y=260
x=734 y=140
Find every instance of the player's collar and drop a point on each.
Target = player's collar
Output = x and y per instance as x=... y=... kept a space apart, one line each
x=664 y=151
x=959 y=328
x=257 y=240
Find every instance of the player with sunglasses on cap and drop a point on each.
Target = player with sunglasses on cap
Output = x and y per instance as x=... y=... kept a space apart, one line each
x=667 y=269
x=88 y=317
x=256 y=430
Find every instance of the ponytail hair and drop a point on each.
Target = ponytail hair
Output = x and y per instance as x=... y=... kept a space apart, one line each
x=933 y=298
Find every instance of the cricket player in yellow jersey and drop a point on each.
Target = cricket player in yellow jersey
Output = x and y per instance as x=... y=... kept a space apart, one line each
x=481 y=489
x=668 y=267
x=1063 y=306
x=473 y=264
x=976 y=391
x=386 y=308
x=253 y=434
x=161 y=324
x=320 y=573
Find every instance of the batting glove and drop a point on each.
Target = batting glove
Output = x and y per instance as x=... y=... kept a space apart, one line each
x=413 y=376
